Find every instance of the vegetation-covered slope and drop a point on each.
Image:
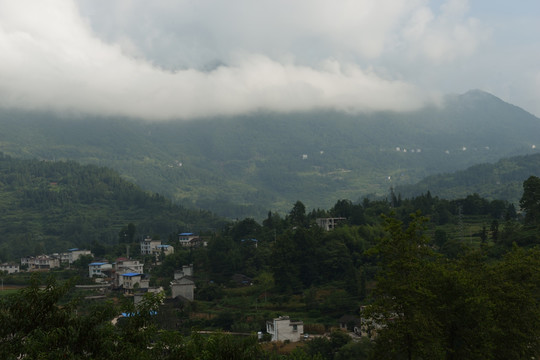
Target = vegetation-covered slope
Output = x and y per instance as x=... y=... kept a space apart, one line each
x=422 y=290
x=245 y=165
x=53 y=206
x=502 y=180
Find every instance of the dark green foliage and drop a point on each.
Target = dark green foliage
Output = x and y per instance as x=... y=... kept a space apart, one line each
x=357 y=350
x=329 y=348
x=429 y=307
x=209 y=292
x=436 y=295
x=37 y=324
x=246 y=229
x=530 y=201
x=297 y=215
x=52 y=206
x=501 y=180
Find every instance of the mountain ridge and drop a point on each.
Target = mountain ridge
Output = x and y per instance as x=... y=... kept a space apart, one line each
x=246 y=165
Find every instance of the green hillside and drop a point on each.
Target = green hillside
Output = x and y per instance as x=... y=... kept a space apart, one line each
x=52 y=206
x=244 y=166
x=501 y=180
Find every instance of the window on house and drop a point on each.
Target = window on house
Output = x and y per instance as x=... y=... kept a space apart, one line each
x=295 y=328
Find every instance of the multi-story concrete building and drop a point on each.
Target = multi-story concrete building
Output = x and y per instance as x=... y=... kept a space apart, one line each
x=99 y=269
x=9 y=268
x=148 y=245
x=282 y=328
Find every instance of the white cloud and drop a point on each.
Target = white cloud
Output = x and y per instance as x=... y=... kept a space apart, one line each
x=444 y=37
x=187 y=58
x=54 y=61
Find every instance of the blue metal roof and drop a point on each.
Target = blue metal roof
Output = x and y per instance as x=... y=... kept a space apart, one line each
x=131 y=274
x=186 y=234
x=126 y=314
x=163 y=246
x=74 y=249
x=97 y=263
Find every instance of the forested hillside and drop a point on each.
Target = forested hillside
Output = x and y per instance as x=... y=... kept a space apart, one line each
x=52 y=206
x=501 y=180
x=242 y=166
x=459 y=282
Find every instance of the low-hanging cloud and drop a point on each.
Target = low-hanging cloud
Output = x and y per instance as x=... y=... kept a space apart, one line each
x=54 y=57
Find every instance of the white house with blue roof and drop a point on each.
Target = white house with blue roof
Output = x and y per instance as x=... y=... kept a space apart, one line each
x=188 y=239
x=124 y=265
x=99 y=269
x=134 y=281
x=154 y=247
x=164 y=249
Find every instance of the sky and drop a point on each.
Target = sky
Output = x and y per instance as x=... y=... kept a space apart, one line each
x=187 y=59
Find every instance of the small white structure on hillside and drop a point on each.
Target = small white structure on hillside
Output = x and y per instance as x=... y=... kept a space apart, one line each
x=184 y=287
x=330 y=223
x=183 y=284
x=282 y=328
x=187 y=270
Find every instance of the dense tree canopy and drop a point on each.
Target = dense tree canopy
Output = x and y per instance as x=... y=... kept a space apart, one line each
x=428 y=307
x=530 y=201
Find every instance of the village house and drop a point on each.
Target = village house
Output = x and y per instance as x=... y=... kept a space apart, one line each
x=163 y=249
x=188 y=239
x=133 y=282
x=148 y=245
x=123 y=266
x=74 y=254
x=329 y=223
x=183 y=285
x=184 y=288
x=9 y=268
x=40 y=262
x=282 y=328
x=154 y=247
x=128 y=265
x=47 y=262
x=187 y=270
x=99 y=269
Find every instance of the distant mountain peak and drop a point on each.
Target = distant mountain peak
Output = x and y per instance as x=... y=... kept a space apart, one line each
x=477 y=94
x=477 y=99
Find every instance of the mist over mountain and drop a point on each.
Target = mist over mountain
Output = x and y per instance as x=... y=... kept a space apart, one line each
x=246 y=165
